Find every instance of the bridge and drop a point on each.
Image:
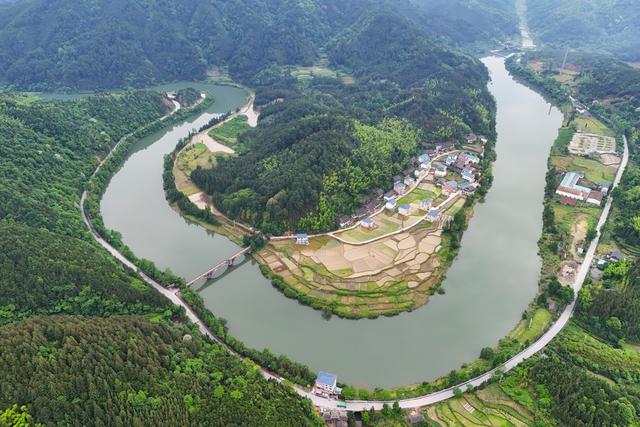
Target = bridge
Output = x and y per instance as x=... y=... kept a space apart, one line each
x=222 y=265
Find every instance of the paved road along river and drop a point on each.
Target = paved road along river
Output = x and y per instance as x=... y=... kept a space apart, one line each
x=433 y=397
x=487 y=288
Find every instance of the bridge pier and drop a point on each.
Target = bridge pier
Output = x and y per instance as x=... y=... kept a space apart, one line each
x=223 y=264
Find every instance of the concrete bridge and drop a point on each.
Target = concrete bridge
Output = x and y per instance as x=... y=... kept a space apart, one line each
x=222 y=265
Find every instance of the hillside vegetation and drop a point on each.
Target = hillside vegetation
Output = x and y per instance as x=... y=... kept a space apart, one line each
x=610 y=26
x=126 y=371
x=315 y=155
x=108 y=44
x=106 y=367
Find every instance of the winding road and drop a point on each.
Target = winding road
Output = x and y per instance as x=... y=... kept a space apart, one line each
x=356 y=405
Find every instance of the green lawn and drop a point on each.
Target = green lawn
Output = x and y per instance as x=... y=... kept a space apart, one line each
x=567 y=216
x=531 y=329
x=592 y=169
x=561 y=144
x=228 y=132
x=359 y=234
x=592 y=125
x=416 y=195
x=193 y=156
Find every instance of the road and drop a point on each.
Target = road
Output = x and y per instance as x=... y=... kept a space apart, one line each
x=416 y=402
x=534 y=348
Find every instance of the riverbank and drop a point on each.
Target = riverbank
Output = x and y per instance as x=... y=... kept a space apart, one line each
x=417 y=402
x=380 y=272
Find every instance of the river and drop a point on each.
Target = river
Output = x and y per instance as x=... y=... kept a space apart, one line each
x=488 y=286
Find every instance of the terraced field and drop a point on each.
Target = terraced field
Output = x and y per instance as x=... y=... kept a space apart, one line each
x=488 y=407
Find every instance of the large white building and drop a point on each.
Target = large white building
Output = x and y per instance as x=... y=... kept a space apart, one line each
x=570 y=188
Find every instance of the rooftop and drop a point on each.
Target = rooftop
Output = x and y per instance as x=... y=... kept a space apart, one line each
x=326 y=378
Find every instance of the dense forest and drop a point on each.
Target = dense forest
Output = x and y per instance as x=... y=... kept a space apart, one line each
x=109 y=44
x=315 y=155
x=49 y=149
x=106 y=367
x=130 y=371
x=610 y=26
x=578 y=381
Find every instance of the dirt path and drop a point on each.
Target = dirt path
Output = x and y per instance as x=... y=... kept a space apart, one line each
x=579 y=233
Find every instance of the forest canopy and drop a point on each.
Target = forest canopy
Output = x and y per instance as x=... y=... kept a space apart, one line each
x=82 y=44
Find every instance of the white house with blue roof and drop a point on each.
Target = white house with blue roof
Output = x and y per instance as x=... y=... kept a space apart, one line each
x=391 y=205
x=326 y=383
x=404 y=210
x=302 y=239
x=434 y=213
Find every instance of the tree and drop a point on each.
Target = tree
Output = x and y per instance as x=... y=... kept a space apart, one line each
x=16 y=417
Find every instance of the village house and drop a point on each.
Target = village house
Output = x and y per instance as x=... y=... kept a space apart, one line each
x=415 y=419
x=404 y=210
x=326 y=384
x=378 y=193
x=409 y=181
x=441 y=171
x=399 y=187
x=425 y=205
x=423 y=166
x=446 y=146
x=484 y=140
x=372 y=206
x=595 y=197
x=344 y=221
x=302 y=239
x=390 y=195
x=434 y=213
x=468 y=175
x=449 y=188
x=469 y=158
x=419 y=172
x=471 y=138
x=359 y=213
x=615 y=256
x=368 y=223
x=464 y=186
x=451 y=159
x=391 y=205
x=423 y=158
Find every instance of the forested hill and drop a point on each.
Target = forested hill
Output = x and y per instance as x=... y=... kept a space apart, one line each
x=128 y=371
x=107 y=44
x=330 y=142
x=610 y=26
x=83 y=341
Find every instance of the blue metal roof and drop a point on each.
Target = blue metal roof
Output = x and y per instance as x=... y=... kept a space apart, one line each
x=326 y=378
x=404 y=206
